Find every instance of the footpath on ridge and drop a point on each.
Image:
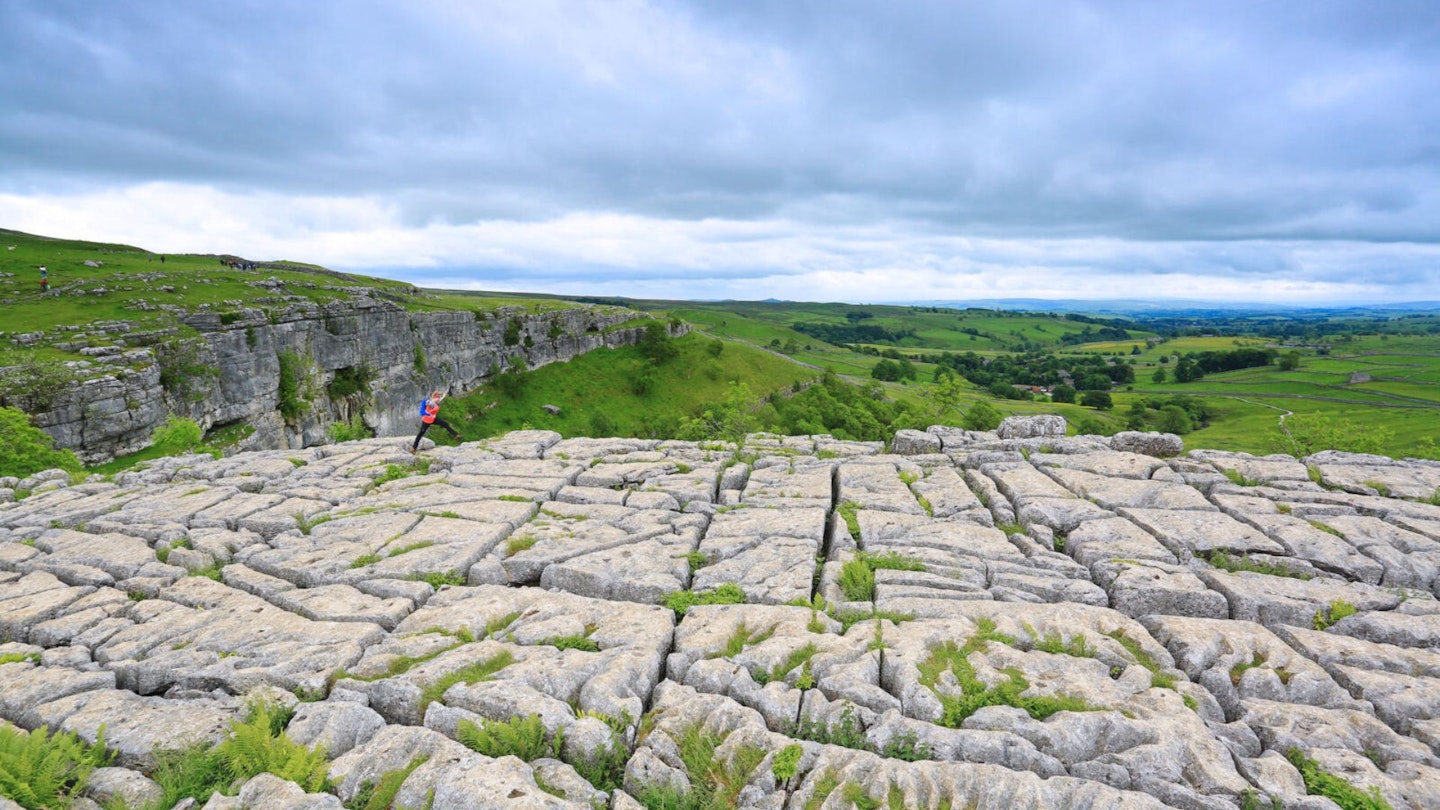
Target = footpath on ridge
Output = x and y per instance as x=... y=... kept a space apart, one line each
x=968 y=620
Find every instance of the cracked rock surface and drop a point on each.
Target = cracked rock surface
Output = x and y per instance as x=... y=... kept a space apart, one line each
x=794 y=622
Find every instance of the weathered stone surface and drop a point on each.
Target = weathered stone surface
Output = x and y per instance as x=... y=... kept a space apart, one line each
x=269 y=791
x=1031 y=427
x=1275 y=600
x=1112 y=493
x=338 y=726
x=914 y=442
x=135 y=727
x=119 y=785
x=1093 y=650
x=1139 y=588
x=1160 y=445
x=1193 y=533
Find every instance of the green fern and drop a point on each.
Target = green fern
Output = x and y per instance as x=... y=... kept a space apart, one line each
x=259 y=745
x=256 y=745
x=43 y=770
x=522 y=737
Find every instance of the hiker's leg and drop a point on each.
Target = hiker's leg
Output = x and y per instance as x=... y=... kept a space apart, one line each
x=424 y=426
x=442 y=423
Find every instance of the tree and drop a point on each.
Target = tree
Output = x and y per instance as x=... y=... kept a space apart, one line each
x=730 y=419
x=1097 y=399
x=1062 y=393
x=982 y=416
x=1186 y=371
x=887 y=370
x=1289 y=361
x=1174 y=419
x=178 y=435
x=33 y=383
x=945 y=395
x=1158 y=376
x=657 y=344
x=1135 y=415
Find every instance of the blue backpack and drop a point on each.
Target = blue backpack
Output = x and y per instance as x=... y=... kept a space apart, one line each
x=423 y=403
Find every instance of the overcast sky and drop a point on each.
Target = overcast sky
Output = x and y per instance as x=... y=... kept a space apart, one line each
x=1282 y=152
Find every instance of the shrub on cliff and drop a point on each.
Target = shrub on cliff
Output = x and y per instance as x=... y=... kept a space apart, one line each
x=31 y=381
x=26 y=449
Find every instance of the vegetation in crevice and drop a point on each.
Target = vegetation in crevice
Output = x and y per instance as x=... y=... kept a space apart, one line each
x=1332 y=613
x=976 y=694
x=857 y=575
x=681 y=601
x=472 y=674
x=256 y=745
x=715 y=783
x=381 y=795
x=1228 y=562
x=1320 y=782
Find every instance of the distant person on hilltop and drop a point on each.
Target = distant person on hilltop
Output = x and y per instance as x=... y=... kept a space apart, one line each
x=44 y=280
x=430 y=415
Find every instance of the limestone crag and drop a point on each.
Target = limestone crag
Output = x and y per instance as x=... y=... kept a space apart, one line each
x=230 y=373
x=1032 y=622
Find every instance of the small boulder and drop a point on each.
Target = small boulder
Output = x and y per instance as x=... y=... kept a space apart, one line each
x=1160 y=445
x=914 y=443
x=1031 y=427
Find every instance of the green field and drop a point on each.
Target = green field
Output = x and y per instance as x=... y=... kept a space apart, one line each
x=928 y=328
x=1401 y=401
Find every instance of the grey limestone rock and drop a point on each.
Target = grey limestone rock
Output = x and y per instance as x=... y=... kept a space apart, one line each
x=914 y=442
x=1139 y=588
x=267 y=791
x=338 y=726
x=119 y=785
x=1031 y=427
x=1160 y=445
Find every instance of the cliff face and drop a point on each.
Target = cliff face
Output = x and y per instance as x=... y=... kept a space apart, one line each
x=231 y=373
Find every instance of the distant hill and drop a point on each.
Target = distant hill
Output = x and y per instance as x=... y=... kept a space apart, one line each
x=1176 y=307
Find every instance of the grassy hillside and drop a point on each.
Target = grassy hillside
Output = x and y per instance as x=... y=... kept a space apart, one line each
x=92 y=282
x=929 y=328
x=620 y=392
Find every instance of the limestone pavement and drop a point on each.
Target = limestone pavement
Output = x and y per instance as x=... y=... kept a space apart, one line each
x=968 y=621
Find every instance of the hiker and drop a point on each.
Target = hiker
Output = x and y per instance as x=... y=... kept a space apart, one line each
x=44 y=280
x=430 y=415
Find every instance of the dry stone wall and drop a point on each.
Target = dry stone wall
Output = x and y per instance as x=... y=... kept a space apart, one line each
x=235 y=369
x=1028 y=623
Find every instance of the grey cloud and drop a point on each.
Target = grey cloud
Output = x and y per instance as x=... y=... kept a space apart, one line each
x=1136 y=121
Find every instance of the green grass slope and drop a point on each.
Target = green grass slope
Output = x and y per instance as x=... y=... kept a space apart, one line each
x=619 y=392
x=92 y=281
